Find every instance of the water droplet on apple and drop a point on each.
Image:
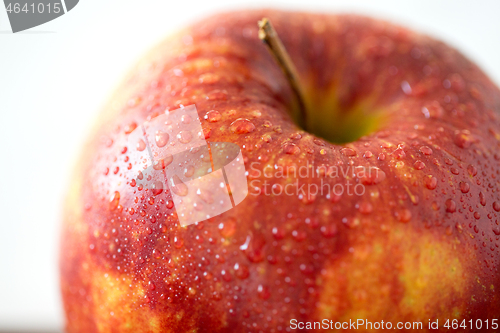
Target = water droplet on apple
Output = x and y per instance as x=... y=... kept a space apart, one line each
x=242 y=126
x=370 y=175
x=399 y=153
x=263 y=292
x=482 y=198
x=217 y=95
x=278 y=233
x=178 y=241
x=412 y=136
x=426 y=150
x=161 y=139
x=418 y=165
x=184 y=136
x=206 y=196
x=228 y=227
x=365 y=208
x=189 y=171
x=267 y=124
x=213 y=116
x=450 y=205
x=291 y=149
x=267 y=138
x=319 y=142
x=130 y=127
x=178 y=186
x=464 y=187
x=329 y=231
x=351 y=222
x=403 y=215
x=157 y=188
x=496 y=230
x=472 y=170
x=256 y=113
x=449 y=230
x=163 y=162
x=241 y=271
x=454 y=171
x=348 y=152
x=186 y=119
x=430 y=182
x=141 y=145
x=299 y=235
x=207 y=132
x=496 y=206
x=114 y=200
x=226 y=276
x=255 y=248
x=462 y=139
x=433 y=110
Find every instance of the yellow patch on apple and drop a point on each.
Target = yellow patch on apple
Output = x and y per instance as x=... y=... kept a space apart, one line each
x=395 y=278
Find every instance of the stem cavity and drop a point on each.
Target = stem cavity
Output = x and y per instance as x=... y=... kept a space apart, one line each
x=274 y=45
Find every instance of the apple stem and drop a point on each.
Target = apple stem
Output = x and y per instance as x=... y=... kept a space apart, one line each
x=270 y=37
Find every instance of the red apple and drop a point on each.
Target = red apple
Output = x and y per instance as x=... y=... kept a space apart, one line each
x=416 y=240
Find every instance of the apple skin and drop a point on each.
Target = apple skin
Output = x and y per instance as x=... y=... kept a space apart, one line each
x=421 y=243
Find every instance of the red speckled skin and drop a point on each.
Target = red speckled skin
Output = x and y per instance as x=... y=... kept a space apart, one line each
x=421 y=243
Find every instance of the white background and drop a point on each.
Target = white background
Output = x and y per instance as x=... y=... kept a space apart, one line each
x=53 y=79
